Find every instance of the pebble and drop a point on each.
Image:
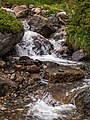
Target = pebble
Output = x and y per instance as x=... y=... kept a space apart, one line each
x=3 y=108
x=13 y=76
x=19 y=109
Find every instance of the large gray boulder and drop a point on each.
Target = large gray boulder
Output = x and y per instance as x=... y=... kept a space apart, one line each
x=8 y=41
x=41 y=25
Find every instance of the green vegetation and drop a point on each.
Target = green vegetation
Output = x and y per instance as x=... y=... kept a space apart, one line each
x=32 y=1
x=8 y=23
x=78 y=32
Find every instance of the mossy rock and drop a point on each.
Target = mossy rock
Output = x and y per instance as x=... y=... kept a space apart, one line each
x=8 y=23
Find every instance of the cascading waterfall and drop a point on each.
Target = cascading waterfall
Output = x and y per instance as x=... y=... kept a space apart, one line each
x=37 y=47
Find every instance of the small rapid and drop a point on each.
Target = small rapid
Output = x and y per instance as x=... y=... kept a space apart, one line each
x=37 y=47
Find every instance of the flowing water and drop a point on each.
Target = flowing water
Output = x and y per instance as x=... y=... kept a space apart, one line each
x=43 y=108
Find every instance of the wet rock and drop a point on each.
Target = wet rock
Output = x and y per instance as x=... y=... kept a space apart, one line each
x=25 y=60
x=82 y=101
x=41 y=25
x=3 y=87
x=19 y=79
x=2 y=64
x=59 y=34
x=42 y=45
x=78 y=55
x=67 y=75
x=21 y=11
x=33 y=69
x=8 y=41
x=54 y=20
x=61 y=51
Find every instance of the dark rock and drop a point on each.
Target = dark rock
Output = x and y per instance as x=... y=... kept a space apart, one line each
x=8 y=41
x=41 y=25
x=25 y=60
x=59 y=34
x=54 y=20
x=82 y=101
x=42 y=45
x=7 y=5
x=3 y=87
x=78 y=55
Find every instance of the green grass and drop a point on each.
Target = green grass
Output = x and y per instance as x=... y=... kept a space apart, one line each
x=78 y=31
x=8 y=23
x=32 y=1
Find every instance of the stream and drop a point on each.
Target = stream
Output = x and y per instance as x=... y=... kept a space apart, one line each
x=46 y=107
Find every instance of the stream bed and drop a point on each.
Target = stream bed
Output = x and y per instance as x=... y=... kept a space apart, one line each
x=46 y=101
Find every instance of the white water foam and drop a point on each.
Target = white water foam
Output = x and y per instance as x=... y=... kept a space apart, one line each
x=54 y=59
x=25 y=48
x=85 y=84
x=44 y=111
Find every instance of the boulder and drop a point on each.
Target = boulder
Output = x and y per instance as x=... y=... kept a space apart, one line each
x=58 y=75
x=21 y=11
x=8 y=41
x=78 y=55
x=41 y=25
x=54 y=20
x=82 y=101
